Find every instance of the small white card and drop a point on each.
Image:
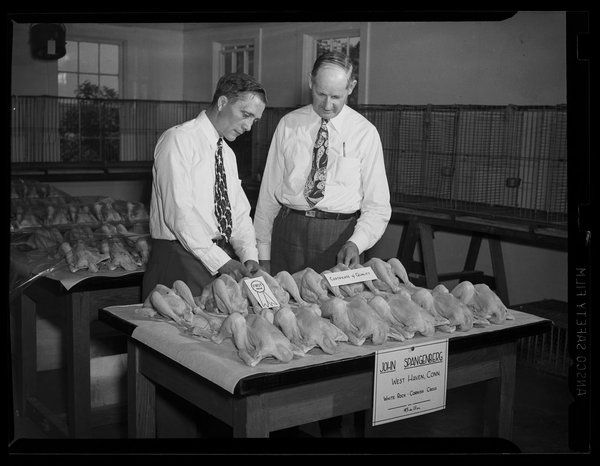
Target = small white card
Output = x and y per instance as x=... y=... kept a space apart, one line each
x=261 y=291
x=345 y=277
x=410 y=381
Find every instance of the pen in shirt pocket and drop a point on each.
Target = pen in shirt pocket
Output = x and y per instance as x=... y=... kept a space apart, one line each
x=343 y=149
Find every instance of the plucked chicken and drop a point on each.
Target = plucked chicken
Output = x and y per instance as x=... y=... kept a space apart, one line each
x=256 y=339
x=386 y=279
x=316 y=330
x=174 y=303
x=121 y=257
x=82 y=257
x=285 y=319
x=312 y=285
x=287 y=282
x=483 y=301
x=223 y=295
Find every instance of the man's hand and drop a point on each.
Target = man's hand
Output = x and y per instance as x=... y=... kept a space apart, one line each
x=236 y=269
x=265 y=265
x=348 y=255
x=252 y=266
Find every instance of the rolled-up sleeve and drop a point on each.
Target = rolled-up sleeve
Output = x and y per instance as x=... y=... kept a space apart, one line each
x=375 y=207
x=267 y=206
x=173 y=184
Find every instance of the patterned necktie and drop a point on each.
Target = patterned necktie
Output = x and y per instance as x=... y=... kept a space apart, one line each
x=315 y=184
x=222 y=206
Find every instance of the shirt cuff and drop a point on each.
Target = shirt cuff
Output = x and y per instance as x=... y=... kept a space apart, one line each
x=214 y=258
x=247 y=254
x=361 y=241
x=264 y=251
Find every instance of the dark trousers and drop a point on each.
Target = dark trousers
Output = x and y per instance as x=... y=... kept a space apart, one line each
x=298 y=242
x=170 y=261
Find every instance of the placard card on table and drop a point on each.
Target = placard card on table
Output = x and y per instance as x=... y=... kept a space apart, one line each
x=261 y=291
x=409 y=381
x=345 y=277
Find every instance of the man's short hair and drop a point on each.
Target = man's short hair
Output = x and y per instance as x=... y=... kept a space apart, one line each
x=334 y=58
x=233 y=85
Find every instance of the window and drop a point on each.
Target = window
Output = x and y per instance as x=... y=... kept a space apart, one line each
x=237 y=58
x=94 y=62
x=350 y=45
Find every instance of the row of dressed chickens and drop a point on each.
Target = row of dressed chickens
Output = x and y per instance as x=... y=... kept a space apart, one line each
x=60 y=211
x=311 y=313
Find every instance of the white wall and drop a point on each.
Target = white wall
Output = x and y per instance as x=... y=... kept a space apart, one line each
x=152 y=60
x=520 y=61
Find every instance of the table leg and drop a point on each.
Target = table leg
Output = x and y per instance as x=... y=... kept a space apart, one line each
x=141 y=397
x=428 y=253
x=500 y=395
x=498 y=269
x=25 y=350
x=78 y=364
x=249 y=419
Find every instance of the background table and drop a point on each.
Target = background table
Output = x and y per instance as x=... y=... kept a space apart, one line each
x=80 y=306
x=268 y=401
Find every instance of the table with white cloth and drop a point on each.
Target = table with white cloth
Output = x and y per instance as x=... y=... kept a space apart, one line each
x=273 y=395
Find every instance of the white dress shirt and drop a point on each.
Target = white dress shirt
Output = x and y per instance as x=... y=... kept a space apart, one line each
x=182 y=204
x=356 y=178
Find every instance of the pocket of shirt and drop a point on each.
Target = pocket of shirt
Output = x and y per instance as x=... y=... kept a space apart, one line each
x=346 y=171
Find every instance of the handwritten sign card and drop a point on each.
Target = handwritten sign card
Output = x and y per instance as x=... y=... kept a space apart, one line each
x=409 y=381
x=345 y=277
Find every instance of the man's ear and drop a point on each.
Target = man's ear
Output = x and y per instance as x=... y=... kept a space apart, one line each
x=351 y=86
x=221 y=102
x=310 y=81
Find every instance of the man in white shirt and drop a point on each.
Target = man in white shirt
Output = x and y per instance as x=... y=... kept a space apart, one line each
x=200 y=220
x=324 y=196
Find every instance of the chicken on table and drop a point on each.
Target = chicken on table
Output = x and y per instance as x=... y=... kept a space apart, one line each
x=310 y=313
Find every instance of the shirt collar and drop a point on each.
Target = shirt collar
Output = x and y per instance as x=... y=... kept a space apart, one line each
x=208 y=129
x=337 y=122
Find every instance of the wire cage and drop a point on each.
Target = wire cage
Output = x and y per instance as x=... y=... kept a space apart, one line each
x=547 y=352
x=507 y=162
x=497 y=161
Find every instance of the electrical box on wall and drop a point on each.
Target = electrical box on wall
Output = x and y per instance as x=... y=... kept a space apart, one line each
x=47 y=41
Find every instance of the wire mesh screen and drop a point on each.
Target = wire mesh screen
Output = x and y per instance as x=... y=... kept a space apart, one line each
x=501 y=161
x=497 y=161
x=84 y=131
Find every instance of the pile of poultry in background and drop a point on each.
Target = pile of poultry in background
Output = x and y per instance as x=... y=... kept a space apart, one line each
x=91 y=233
x=313 y=314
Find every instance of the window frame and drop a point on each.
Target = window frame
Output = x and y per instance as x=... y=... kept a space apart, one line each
x=121 y=60
x=254 y=37
x=309 y=55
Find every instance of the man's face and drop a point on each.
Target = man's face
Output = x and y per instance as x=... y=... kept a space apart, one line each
x=237 y=117
x=330 y=91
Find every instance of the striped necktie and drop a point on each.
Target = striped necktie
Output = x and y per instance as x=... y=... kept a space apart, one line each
x=315 y=184
x=222 y=206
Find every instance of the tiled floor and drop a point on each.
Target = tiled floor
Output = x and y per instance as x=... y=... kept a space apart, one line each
x=540 y=417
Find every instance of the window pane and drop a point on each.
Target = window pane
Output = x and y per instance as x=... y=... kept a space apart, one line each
x=239 y=64
x=227 y=60
x=67 y=84
x=112 y=82
x=109 y=59
x=92 y=78
x=88 y=57
x=69 y=61
x=251 y=62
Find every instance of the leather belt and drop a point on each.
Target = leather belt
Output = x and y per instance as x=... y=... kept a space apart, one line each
x=315 y=213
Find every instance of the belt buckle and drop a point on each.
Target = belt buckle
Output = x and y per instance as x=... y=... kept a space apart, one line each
x=310 y=213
